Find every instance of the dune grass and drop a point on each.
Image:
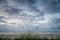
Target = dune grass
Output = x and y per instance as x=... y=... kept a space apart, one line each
x=31 y=37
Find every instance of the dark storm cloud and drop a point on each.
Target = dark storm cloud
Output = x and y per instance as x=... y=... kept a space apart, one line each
x=3 y=2
x=51 y=6
x=11 y=10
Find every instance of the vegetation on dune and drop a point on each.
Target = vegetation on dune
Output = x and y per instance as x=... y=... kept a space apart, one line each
x=31 y=37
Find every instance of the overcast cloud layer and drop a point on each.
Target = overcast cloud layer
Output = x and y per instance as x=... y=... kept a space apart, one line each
x=29 y=15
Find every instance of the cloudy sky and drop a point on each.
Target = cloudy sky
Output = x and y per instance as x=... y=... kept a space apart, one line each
x=29 y=15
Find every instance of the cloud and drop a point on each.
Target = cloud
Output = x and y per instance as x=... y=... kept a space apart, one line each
x=50 y=6
x=29 y=15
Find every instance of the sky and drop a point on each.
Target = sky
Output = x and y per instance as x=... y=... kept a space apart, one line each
x=29 y=15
